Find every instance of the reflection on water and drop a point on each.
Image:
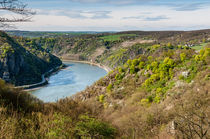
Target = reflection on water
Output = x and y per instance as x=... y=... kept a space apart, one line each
x=75 y=78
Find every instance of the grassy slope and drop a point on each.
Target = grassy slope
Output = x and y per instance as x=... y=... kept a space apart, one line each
x=200 y=46
x=116 y=37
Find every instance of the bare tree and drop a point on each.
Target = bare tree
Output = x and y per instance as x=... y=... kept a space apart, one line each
x=193 y=114
x=14 y=7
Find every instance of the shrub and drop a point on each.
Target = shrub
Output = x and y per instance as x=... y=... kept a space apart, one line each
x=150 y=58
x=149 y=67
x=169 y=62
x=169 y=45
x=144 y=102
x=150 y=99
x=197 y=58
x=141 y=65
x=101 y=98
x=129 y=62
x=120 y=70
x=5 y=49
x=181 y=77
x=171 y=73
x=162 y=75
x=57 y=126
x=132 y=69
x=182 y=56
x=157 y=98
x=109 y=88
x=18 y=100
x=135 y=62
x=156 y=46
x=119 y=76
x=204 y=54
x=92 y=128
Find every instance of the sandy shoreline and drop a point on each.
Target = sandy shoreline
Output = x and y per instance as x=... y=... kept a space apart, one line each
x=90 y=63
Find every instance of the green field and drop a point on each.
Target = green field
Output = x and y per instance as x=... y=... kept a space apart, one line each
x=116 y=37
x=199 y=47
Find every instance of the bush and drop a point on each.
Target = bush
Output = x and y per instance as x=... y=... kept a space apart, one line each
x=141 y=65
x=135 y=62
x=119 y=76
x=92 y=128
x=150 y=99
x=57 y=126
x=17 y=99
x=149 y=58
x=181 y=77
x=169 y=45
x=120 y=70
x=204 y=55
x=156 y=46
x=132 y=69
x=5 y=49
x=129 y=62
x=182 y=56
x=109 y=88
x=101 y=98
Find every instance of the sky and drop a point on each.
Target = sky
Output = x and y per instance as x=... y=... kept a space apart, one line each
x=117 y=15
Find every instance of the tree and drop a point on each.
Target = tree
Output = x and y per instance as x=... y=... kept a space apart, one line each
x=182 y=56
x=14 y=7
x=192 y=120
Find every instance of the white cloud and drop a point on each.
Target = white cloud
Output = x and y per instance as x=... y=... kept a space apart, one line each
x=155 y=18
x=77 y=14
x=117 y=2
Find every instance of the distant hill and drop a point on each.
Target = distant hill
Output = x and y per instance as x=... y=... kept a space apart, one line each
x=114 y=49
x=34 y=34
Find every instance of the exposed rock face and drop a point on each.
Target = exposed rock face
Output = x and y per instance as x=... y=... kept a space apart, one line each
x=12 y=66
x=21 y=67
x=185 y=74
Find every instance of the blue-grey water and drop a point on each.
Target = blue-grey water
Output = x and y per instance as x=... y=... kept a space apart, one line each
x=75 y=78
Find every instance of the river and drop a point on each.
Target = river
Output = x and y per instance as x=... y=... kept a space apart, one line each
x=75 y=78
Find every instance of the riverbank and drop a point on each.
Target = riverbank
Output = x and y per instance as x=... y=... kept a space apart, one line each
x=44 y=81
x=106 y=68
x=67 y=82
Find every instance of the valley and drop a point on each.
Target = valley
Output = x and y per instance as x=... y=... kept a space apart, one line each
x=104 y=69
x=157 y=85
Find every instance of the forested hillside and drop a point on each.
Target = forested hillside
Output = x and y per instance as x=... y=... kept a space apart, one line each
x=23 y=61
x=114 y=49
x=162 y=94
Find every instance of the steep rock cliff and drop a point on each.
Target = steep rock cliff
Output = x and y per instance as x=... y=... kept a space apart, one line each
x=19 y=65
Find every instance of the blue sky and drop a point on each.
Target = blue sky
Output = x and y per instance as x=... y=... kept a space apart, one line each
x=117 y=15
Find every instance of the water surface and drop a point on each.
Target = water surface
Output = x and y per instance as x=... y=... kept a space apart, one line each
x=75 y=78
